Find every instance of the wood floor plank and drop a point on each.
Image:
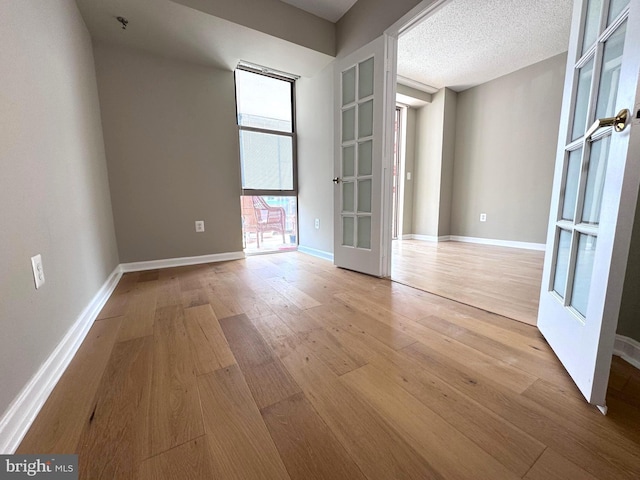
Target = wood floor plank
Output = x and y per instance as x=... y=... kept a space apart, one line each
x=552 y=466
x=295 y=318
x=379 y=375
x=175 y=416
x=240 y=445
x=571 y=441
x=223 y=303
x=277 y=334
x=574 y=408
x=194 y=298
x=283 y=340
x=529 y=359
x=189 y=461
x=445 y=448
x=208 y=343
x=138 y=320
x=64 y=414
x=377 y=448
x=510 y=445
x=127 y=283
x=476 y=361
x=268 y=381
x=289 y=291
x=115 y=438
x=148 y=276
x=116 y=306
x=350 y=318
x=497 y=279
x=169 y=292
x=307 y=446
x=327 y=348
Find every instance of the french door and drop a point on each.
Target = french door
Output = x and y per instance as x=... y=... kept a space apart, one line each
x=360 y=83
x=595 y=192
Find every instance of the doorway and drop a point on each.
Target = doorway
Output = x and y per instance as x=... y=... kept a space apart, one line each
x=479 y=195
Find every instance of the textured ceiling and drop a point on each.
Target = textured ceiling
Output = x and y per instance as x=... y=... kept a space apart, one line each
x=469 y=42
x=330 y=10
x=176 y=31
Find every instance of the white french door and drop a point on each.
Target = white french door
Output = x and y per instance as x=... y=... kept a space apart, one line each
x=595 y=192
x=360 y=84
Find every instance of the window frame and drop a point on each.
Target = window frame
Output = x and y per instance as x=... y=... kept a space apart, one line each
x=294 y=141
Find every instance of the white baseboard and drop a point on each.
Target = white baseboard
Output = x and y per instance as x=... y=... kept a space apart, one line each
x=628 y=349
x=16 y=421
x=316 y=253
x=180 y=262
x=426 y=238
x=499 y=243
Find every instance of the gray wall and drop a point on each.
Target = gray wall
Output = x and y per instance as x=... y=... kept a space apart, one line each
x=409 y=166
x=53 y=187
x=314 y=119
x=172 y=149
x=449 y=133
x=629 y=319
x=434 y=157
x=506 y=138
x=367 y=20
x=281 y=20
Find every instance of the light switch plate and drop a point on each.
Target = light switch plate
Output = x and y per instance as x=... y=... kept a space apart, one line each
x=199 y=226
x=38 y=270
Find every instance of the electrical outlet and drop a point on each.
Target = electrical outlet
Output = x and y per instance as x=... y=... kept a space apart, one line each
x=483 y=217
x=38 y=270
x=199 y=226
x=317 y=224
x=408 y=175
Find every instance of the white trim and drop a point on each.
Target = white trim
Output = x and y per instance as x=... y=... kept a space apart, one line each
x=426 y=238
x=423 y=87
x=499 y=243
x=316 y=253
x=180 y=262
x=628 y=349
x=18 y=418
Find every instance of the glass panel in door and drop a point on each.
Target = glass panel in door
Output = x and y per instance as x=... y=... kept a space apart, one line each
x=597 y=73
x=356 y=158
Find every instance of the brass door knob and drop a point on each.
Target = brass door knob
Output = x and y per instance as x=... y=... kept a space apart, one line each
x=619 y=123
x=336 y=180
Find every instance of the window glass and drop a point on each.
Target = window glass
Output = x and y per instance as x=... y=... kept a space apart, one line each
x=263 y=102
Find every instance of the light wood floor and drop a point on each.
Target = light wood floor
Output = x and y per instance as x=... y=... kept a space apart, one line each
x=497 y=279
x=284 y=367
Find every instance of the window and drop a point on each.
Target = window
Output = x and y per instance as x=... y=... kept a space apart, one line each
x=266 y=123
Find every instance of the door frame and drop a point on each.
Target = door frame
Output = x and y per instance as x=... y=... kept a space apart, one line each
x=412 y=18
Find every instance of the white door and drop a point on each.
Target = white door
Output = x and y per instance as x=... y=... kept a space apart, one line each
x=594 y=194
x=360 y=83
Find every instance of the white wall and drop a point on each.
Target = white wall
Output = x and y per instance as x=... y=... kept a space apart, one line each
x=53 y=187
x=314 y=118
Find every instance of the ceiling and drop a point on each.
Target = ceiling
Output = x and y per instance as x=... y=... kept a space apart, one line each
x=331 y=10
x=469 y=42
x=172 y=30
